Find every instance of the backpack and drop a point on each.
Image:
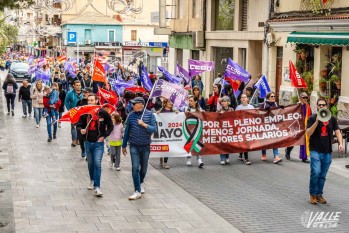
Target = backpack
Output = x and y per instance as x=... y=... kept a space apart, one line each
x=10 y=89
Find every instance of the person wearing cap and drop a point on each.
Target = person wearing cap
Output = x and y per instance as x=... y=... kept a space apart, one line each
x=304 y=151
x=82 y=102
x=140 y=125
x=225 y=107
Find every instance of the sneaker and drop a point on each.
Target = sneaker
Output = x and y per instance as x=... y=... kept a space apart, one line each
x=83 y=154
x=8 y=113
x=24 y=116
x=227 y=161
x=98 y=192
x=247 y=162
x=91 y=185
x=49 y=140
x=201 y=164
x=240 y=157
x=13 y=113
x=73 y=144
x=347 y=166
x=165 y=166
x=222 y=162
x=54 y=136
x=188 y=161
x=305 y=161
x=111 y=164
x=264 y=157
x=277 y=160
x=142 y=188
x=313 y=200
x=321 y=199
x=118 y=168
x=161 y=162
x=30 y=116
x=37 y=126
x=136 y=195
x=59 y=125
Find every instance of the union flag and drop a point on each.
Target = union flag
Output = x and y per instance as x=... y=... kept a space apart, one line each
x=108 y=96
x=75 y=113
x=296 y=80
x=98 y=73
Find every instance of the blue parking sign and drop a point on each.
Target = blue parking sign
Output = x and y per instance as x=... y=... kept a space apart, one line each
x=72 y=37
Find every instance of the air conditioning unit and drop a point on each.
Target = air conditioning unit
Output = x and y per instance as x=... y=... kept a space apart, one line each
x=87 y=42
x=198 y=39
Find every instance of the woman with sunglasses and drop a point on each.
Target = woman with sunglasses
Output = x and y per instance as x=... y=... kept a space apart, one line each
x=268 y=104
x=304 y=151
x=194 y=107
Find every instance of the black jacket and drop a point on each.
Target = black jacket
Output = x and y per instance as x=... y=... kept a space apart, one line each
x=24 y=93
x=103 y=126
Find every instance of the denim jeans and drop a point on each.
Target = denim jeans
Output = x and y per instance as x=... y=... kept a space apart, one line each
x=94 y=151
x=10 y=101
x=275 y=152
x=74 y=134
x=38 y=114
x=319 y=165
x=224 y=157
x=139 y=159
x=49 y=121
x=27 y=104
x=53 y=113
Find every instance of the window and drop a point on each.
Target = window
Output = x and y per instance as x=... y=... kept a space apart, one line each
x=244 y=16
x=180 y=57
x=242 y=57
x=133 y=35
x=196 y=8
x=181 y=8
x=87 y=34
x=195 y=54
x=224 y=15
x=111 y=35
x=221 y=57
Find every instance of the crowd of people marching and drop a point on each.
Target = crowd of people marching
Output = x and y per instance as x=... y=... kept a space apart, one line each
x=57 y=86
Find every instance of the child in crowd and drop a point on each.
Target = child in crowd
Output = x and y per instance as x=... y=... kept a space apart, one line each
x=53 y=95
x=115 y=141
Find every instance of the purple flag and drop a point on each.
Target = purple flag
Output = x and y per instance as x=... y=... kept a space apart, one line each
x=169 y=77
x=263 y=86
x=145 y=79
x=236 y=72
x=197 y=67
x=41 y=62
x=40 y=74
x=171 y=91
x=33 y=69
x=71 y=69
x=106 y=67
x=31 y=59
x=183 y=74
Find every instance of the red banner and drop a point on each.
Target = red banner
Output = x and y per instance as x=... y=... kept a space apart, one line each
x=296 y=80
x=108 y=96
x=241 y=131
x=74 y=114
x=98 y=72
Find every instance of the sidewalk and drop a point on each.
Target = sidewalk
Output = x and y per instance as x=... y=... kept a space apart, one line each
x=49 y=181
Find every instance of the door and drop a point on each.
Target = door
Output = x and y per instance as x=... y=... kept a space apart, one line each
x=278 y=75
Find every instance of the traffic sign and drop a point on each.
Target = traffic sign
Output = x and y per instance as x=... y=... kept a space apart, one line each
x=72 y=37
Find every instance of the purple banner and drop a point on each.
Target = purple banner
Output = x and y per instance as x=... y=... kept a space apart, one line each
x=145 y=79
x=169 y=77
x=198 y=67
x=171 y=91
x=236 y=72
x=183 y=74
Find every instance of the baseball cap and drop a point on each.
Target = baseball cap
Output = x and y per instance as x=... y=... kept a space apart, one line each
x=87 y=89
x=137 y=100
x=303 y=94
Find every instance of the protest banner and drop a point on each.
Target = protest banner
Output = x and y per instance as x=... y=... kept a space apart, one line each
x=168 y=141
x=209 y=133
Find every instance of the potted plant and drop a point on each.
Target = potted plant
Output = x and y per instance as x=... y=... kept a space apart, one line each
x=336 y=80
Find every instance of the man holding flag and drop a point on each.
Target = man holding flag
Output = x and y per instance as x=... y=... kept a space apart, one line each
x=95 y=127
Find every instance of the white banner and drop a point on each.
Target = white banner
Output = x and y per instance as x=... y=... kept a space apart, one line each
x=169 y=137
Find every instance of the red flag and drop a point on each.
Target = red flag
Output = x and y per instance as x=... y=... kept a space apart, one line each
x=324 y=1
x=65 y=117
x=75 y=113
x=99 y=73
x=61 y=58
x=108 y=96
x=110 y=108
x=234 y=83
x=136 y=89
x=296 y=80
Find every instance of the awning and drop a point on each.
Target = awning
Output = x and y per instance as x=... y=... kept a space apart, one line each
x=319 y=38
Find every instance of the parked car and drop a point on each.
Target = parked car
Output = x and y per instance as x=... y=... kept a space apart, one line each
x=19 y=70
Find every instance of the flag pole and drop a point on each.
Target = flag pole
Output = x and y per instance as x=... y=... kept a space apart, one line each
x=151 y=93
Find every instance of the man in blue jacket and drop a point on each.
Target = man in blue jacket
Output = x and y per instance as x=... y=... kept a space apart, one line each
x=139 y=128
x=70 y=101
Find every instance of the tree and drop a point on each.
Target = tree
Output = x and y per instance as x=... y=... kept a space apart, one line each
x=15 y=4
x=8 y=35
